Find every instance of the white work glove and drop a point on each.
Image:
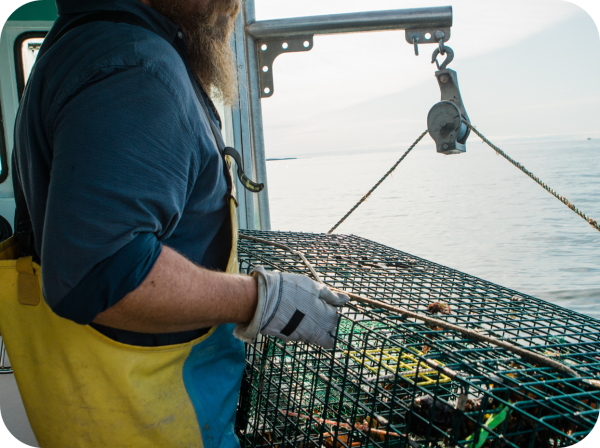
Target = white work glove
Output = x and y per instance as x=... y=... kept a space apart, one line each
x=293 y=307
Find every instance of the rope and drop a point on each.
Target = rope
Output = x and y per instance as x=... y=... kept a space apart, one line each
x=595 y=224
x=562 y=199
x=536 y=357
x=365 y=197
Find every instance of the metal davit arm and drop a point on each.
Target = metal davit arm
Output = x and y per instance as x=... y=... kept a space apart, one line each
x=274 y=37
x=397 y=19
x=266 y=39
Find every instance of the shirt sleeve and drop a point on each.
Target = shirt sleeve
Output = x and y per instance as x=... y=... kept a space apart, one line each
x=123 y=165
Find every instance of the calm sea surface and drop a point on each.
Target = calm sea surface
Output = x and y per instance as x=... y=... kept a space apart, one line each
x=474 y=212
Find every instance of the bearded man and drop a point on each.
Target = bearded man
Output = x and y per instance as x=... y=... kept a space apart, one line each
x=119 y=163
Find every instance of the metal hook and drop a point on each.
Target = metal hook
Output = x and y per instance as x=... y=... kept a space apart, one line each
x=449 y=57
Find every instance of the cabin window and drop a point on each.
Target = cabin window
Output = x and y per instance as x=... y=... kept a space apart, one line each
x=27 y=47
x=30 y=50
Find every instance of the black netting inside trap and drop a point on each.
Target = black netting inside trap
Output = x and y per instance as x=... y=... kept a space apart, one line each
x=375 y=388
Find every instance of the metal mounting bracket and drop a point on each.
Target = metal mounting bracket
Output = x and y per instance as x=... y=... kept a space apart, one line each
x=269 y=49
x=427 y=36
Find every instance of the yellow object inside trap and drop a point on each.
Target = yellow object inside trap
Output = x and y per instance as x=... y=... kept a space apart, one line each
x=398 y=361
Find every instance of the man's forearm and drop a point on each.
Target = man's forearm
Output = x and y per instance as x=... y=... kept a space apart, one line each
x=178 y=296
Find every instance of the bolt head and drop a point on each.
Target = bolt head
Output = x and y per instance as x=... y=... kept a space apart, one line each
x=445 y=146
x=444 y=78
x=439 y=34
x=443 y=123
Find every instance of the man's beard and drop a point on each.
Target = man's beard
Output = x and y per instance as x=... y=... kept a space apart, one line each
x=208 y=48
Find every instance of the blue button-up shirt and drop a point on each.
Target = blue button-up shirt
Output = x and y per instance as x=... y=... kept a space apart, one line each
x=116 y=157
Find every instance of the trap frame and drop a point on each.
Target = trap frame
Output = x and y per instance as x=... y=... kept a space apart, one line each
x=374 y=387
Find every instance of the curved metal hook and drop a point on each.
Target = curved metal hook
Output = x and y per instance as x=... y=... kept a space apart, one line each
x=449 y=57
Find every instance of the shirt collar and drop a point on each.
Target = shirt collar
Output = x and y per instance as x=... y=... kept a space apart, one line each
x=163 y=26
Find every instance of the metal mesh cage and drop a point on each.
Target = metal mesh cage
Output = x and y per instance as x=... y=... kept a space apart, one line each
x=374 y=387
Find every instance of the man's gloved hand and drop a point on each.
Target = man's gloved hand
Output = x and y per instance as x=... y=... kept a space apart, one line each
x=293 y=307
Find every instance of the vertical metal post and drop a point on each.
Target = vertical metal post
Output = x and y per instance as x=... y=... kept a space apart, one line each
x=256 y=123
x=241 y=129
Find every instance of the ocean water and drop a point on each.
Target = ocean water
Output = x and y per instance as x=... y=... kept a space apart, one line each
x=474 y=212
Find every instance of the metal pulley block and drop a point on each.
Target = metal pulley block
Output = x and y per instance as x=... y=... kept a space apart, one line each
x=445 y=126
x=445 y=119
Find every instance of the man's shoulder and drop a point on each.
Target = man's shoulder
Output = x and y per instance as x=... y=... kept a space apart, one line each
x=105 y=47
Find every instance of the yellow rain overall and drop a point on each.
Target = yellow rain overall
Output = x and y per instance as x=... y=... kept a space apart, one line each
x=82 y=389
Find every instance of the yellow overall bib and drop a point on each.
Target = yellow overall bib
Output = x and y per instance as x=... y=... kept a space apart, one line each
x=82 y=389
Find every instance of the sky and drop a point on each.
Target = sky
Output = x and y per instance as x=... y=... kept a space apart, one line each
x=527 y=70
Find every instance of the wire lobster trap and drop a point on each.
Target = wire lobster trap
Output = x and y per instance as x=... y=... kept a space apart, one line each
x=393 y=381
